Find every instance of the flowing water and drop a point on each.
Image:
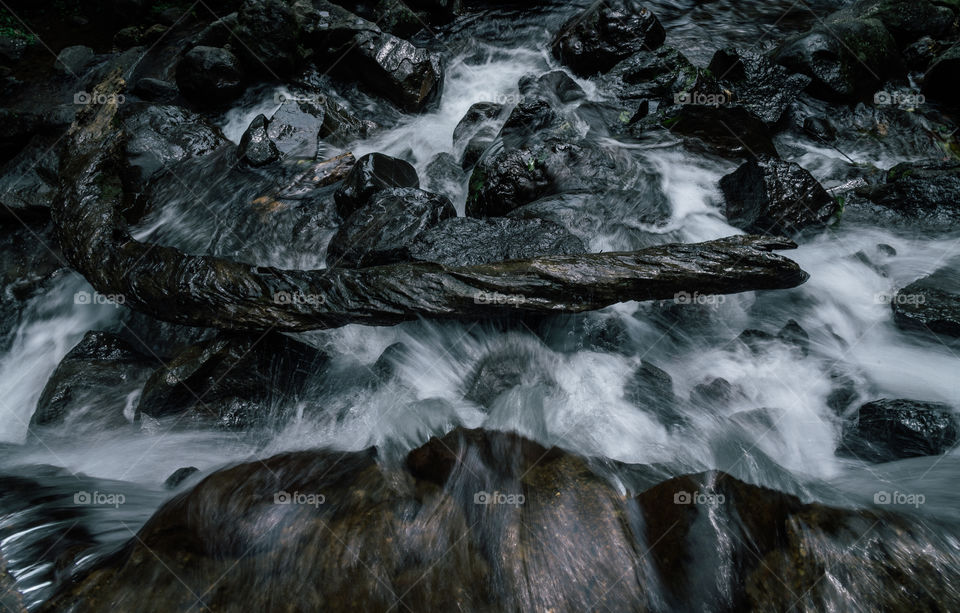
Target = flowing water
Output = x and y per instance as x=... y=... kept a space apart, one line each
x=791 y=448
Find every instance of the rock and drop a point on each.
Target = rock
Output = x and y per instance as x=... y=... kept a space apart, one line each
x=927 y=190
x=159 y=338
x=10 y=597
x=769 y=195
x=756 y=340
x=87 y=390
x=504 y=368
x=372 y=173
x=794 y=335
x=908 y=20
x=298 y=126
x=210 y=76
x=219 y=33
x=762 y=87
x=505 y=509
x=256 y=147
x=385 y=368
x=383 y=230
x=178 y=476
x=556 y=85
x=477 y=131
x=717 y=393
x=463 y=241
x=155 y=90
x=443 y=175
x=73 y=60
x=650 y=75
x=651 y=389
x=931 y=304
x=606 y=33
x=409 y=76
x=729 y=130
x=270 y=31
x=886 y=430
x=920 y=55
x=848 y=58
x=159 y=136
x=28 y=182
x=230 y=377
x=940 y=80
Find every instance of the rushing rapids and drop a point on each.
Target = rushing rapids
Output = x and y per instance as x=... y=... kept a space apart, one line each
x=433 y=305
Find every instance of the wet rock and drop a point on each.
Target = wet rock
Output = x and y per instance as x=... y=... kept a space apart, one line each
x=556 y=85
x=939 y=82
x=794 y=335
x=270 y=30
x=650 y=75
x=299 y=126
x=256 y=148
x=443 y=175
x=216 y=377
x=73 y=60
x=920 y=55
x=372 y=173
x=467 y=242
x=886 y=430
x=10 y=597
x=409 y=76
x=87 y=390
x=28 y=182
x=159 y=136
x=651 y=389
x=729 y=130
x=158 y=338
x=383 y=230
x=156 y=90
x=178 y=476
x=756 y=340
x=606 y=33
x=219 y=33
x=393 y=16
x=908 y=20
x=848 y=58
x=385 y=368
x=927 y=190
x=762 y=87
x=931 y=304
x=477 y=131
x=210 y=76
x=843 y=392
x=717 y=392
x=769 y=195
x=505 y=368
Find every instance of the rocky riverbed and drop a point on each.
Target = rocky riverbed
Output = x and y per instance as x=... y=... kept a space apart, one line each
x=479 y=305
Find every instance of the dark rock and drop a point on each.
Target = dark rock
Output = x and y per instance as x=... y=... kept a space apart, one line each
x=443 y=175
x=847 y=57
x=650 y=75
x=759 y=85
x=927 y=190
x=794 y=335
x=843 y=392
x=908 y=20
x=409 y=76
x=155 y=90
x=467 y=242
x=179 y=476
x=210 y=76
x=769 y=195
x=555 y=84
x=756 y=340
x=159 y=136
x=717 y=393
x=73 y=60
x=385 y=368
x=216 y=376
x=256 y=147
x=87 y=390
x=270 y=31
x=920 y=55
x=372 y=173
x=127 y=37
x=886 y=430
x=729 y=130
x=384 y=230
x=940 y=80
x=477 y=115
x=651 y=389
x=931 y=304
x=28 y=182
x=158 y=338
x=10 y=597
x=504 y=368
x=219 y=33
x=299 y=126
x=606 y=33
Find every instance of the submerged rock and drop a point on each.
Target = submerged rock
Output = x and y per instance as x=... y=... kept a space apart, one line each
x=466 y=242
x=385 y=230
x=505 y=368
x=886 y=430
x=651 y=389
x=931 y=304
x=769 y=195
x=605 y=34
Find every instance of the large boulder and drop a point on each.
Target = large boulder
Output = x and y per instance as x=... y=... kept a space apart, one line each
x=649 y=75
x=90 y=386
x=232 y=378
x=885 y=430
x=210 y=76
x=409 y=76
x=606 y=33
x=908 y=20
x=372 y=173
x=769 y=195
x=931 y=304
x=762 y=87
x=730 y=130
x=465 y=241
x=927 y=190
x=256 y=148
x=847 y=57
x=383 y=231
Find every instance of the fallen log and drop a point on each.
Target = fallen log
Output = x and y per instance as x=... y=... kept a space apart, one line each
x=211 y=291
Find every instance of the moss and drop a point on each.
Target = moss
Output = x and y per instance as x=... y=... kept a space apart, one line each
x=11 y=27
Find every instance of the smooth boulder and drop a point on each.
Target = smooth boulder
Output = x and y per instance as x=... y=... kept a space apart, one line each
x=889 y=429
x=372 y=173
x=210 y=76
x=931 y=304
